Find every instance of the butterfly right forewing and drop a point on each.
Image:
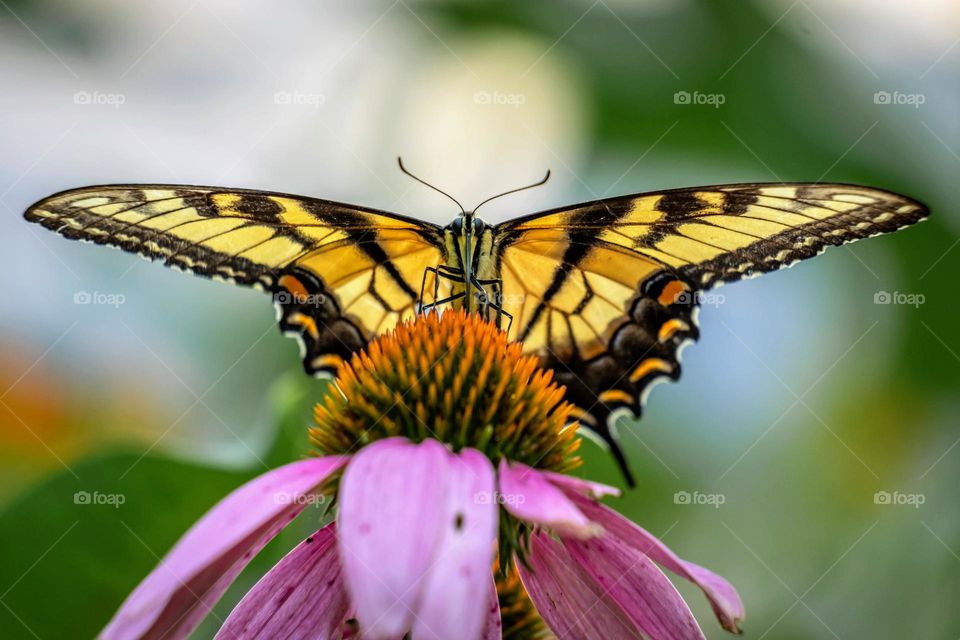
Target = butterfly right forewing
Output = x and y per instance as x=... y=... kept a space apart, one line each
x=607 y=291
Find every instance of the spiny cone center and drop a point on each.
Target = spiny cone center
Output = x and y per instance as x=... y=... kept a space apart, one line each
x=456 y=378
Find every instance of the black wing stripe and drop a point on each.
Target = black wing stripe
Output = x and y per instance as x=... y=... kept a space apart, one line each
x=577 y=249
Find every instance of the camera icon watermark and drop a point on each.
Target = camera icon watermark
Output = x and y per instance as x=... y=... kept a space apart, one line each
x=898 y=98
x=96 y=498
x=114 y=300
x=715 y=500
x=299 y=99
x=99 y=98
x=900 y=298
x=715 y=100
x=898 y=499
x=499 y=98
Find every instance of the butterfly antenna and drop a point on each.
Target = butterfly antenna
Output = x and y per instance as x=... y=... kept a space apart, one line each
x=424 y=182
x=506 y=193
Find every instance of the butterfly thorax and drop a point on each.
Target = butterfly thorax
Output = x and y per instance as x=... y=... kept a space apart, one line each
x=469 y=245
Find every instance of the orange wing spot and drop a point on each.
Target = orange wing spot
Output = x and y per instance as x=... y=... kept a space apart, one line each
x=670 y=327
x=648 y=366
x=294 y=286
x=328 y=361
x=671 y=291
x=616 y=395
x=307 y=323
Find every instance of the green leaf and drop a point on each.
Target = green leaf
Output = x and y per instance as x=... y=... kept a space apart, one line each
x=74 y=547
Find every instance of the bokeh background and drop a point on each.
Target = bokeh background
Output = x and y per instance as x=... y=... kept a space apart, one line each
x=809 y=453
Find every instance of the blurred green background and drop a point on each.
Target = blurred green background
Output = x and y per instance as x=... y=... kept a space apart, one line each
x=809 y=453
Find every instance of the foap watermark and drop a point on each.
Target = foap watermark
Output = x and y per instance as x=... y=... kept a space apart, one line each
x=702 y=298
x=715 y=500
x=898 y=499
x=503 y=301
x=495 y=497
x=97 y=498
x=714 y=100
x=500 y=98
x=898 y=297
x=99 y=98
x=99 y=298
x=299 y=99
x=291 y=297
x=899 y=98
x=303 y=499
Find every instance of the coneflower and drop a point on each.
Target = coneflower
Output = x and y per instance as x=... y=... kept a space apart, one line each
x=446 y=450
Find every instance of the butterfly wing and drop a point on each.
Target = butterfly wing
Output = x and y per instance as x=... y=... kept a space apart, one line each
x=339 y=274
x=606 y=292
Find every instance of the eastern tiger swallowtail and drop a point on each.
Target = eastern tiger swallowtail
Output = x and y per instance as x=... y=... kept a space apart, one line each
x=604 y=292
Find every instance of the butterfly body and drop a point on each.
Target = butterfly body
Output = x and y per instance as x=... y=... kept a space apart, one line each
x=604 y=292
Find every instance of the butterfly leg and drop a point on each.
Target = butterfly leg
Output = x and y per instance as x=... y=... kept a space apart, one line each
x=498 y=296
x=452 y=298
x=423 y=285
x=447 y=273
x=497 y=305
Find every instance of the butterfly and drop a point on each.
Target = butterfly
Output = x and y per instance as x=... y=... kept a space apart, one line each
x=605 y=293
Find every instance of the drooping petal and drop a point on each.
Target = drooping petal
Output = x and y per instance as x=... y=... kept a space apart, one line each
x=637 y=586
x=303 y=596
x=173 y=599
x=452 y=602
x=392 y=507
x=723 y=597
x=571 y=604
x=529 y=495
x=581 y=485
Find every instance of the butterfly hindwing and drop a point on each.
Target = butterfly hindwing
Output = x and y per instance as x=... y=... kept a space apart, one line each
x=339 y=274
x=607 y=291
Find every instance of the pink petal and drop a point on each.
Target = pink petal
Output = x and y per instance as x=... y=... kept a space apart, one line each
x=580 y=485
x=493 y=627
x=571 y=604
x=301 y=597
x=398 y=510
x=529 y=495
x=723 y=597
x=637 y=585
x=176 y=596
x=452 y=597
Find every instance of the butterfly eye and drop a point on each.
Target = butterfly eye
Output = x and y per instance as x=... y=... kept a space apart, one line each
x=457 y=225
x=478 y=226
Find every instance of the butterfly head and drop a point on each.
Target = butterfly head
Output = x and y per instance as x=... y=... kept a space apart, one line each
x=467 y=224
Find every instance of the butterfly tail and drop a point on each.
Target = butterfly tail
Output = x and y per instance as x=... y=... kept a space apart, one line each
x=621 y=459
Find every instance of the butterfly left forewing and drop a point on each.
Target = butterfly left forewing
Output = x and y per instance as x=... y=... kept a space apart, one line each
x=340 y=274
